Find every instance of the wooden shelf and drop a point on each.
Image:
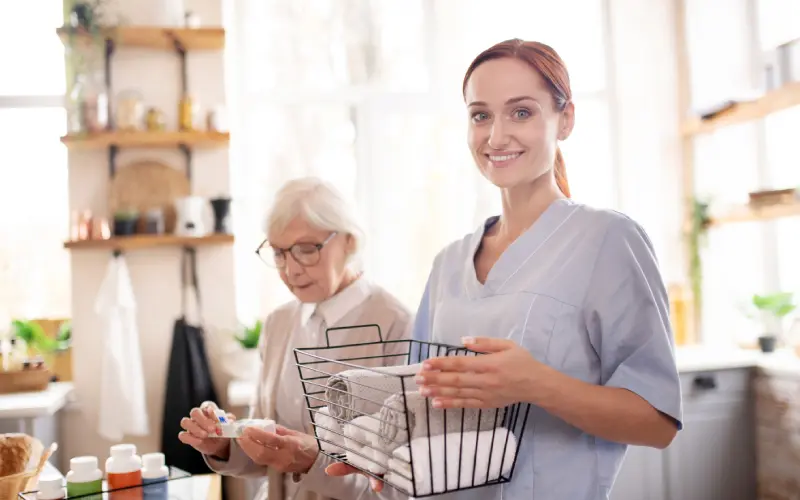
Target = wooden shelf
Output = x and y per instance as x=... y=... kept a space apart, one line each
x=143 y=241
x=747 y=213
x=155 y=37
x=777 y=100
x=147 y=140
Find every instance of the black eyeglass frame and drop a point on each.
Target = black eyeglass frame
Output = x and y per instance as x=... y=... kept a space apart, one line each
x=273 y=263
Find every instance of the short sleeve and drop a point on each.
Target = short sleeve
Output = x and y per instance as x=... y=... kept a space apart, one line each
x=627 y=316
x=422 y=320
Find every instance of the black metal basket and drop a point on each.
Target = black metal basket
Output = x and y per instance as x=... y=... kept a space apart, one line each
x=366 y=411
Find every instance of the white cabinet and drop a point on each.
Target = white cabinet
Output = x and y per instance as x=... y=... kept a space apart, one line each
x=712 y=458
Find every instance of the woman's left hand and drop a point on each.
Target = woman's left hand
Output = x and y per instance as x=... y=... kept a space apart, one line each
x=507 y=374
x=286 y=450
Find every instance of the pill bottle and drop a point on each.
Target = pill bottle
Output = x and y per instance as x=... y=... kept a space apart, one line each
x=51 y=488
x=84 y=477
x=154 y=476
x=124 y=473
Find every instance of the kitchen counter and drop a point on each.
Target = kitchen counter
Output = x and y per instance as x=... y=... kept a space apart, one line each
x=688 y=359
x=703 y=358
x=36 y=404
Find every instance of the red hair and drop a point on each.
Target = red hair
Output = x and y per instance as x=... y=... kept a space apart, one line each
x=545 y=61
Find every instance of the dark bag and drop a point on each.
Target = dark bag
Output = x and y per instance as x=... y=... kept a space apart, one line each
x=189 y=381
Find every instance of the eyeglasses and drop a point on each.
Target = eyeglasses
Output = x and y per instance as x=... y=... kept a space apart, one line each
x=305 y=254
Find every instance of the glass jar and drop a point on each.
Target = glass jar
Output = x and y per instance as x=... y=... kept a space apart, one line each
x=155 y=119
x=95 y=103
x=130 y=111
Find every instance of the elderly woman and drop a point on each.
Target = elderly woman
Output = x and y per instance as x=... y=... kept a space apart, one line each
x=313 y=241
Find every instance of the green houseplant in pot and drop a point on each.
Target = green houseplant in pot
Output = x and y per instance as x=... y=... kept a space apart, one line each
x=776 y=307
x=242 y=359
x=125 y=222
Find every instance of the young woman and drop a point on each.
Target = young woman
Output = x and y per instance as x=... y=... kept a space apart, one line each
x=567 y=300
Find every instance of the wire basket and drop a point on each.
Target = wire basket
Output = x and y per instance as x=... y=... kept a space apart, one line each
x=366 y=410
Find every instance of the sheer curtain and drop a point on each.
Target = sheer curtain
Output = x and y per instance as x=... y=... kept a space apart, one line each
x=34 y=220
x=367 y=94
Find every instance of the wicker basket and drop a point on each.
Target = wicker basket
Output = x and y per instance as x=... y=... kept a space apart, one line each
x=24 y=381
x=11 y=486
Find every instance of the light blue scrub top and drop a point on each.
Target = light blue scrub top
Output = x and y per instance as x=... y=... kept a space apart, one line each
x=581 y=291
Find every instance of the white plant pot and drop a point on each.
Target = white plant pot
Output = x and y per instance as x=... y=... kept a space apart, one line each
x=241 y=363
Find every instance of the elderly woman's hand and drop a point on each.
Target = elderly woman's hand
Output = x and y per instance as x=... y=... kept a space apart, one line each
x=285 y=450
x=340 y=469
x=507 y=374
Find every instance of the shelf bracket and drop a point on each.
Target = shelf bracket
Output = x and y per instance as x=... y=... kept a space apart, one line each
x=112 y=160
x=187 y=154
x=181 y=50
x=108 y=53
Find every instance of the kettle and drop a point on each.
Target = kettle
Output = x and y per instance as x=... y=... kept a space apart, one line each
x=189 y=212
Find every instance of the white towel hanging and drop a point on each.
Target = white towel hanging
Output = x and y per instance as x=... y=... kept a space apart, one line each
x=123 y=408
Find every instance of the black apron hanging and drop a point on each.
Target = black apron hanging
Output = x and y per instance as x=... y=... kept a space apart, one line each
x=189 y=381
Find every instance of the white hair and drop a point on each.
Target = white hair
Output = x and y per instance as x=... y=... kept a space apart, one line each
x=320 y=204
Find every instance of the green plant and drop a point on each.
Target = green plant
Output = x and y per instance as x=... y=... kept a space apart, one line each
x=125 y=214
x=695 y=240
x=34 y=336
x=248 y=338
x=776 y=305
x=64 y=336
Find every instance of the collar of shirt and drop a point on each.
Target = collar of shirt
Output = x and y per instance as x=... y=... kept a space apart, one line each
x=335 y=308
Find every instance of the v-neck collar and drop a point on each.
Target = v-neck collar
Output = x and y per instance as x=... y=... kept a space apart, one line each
x=518 y=252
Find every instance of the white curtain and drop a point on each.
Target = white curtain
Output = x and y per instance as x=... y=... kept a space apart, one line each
x=368 y=95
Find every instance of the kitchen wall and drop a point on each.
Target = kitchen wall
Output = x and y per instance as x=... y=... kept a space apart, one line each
x=154 y=272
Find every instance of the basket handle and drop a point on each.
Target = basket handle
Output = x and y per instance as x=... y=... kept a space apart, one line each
x=373 y=325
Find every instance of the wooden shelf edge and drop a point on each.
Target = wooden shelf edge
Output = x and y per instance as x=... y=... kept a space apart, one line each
x=746 y=213
x=145 y=241
x=156 y=37
x=200 y=139
x=772 y=102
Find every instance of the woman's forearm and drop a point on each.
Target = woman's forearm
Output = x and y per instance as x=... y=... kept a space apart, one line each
x=611 y=413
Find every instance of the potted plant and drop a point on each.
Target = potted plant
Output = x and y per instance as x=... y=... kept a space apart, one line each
x=242 y=359
x=773 y=308
x=695 y=233
x=125 y=222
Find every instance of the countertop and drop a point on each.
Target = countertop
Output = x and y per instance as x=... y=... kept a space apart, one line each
x=688 y=358
x=36 y=404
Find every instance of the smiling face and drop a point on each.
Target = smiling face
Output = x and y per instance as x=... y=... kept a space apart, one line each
x=514 y=124
x=314 y=283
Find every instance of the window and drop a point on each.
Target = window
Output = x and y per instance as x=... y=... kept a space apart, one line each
x=34 y=267
x=367 y=94
x=725 y=53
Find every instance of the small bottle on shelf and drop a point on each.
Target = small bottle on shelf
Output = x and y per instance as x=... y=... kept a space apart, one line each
x=51 y=488
x=154 y=476
x=84 y=477
x=124 y=473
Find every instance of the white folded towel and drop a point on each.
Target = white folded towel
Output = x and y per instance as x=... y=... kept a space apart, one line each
x=361 y=435
x=358 y=392
x=444 y=448
x=393 y=432
x=329 y=431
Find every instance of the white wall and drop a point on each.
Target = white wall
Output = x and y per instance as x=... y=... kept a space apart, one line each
x=155 y=273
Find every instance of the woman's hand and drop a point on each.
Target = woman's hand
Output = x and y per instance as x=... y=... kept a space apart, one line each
x=199 y=426
x=286 y=450
x=504 y=376
x=340 y=469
